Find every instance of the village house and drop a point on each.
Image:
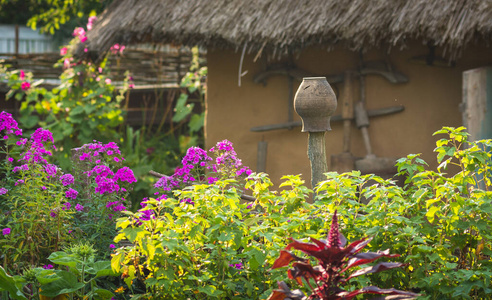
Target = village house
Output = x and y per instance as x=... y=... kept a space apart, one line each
x=409 y=64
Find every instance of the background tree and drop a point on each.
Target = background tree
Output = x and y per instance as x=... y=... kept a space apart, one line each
x=56 y=17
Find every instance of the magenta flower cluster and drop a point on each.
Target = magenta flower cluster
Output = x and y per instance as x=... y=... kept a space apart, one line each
x=196 y=162
x=71 y=193
x=101 y=159
x=51 y=170
x=107 y=181
x=8 y=125
x=238 y=266
x=67 y=179
x=226 y=161
x=36 y=150
x=98 y=152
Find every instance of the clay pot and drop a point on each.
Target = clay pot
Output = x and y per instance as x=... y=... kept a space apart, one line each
x=315 y=102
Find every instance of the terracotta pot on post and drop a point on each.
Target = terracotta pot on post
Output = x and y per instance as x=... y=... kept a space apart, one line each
x=315 y=102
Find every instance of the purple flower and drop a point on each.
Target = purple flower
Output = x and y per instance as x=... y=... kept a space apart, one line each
x=10 y=159
x=23 y=167
x=125 y=174
x=79 y=207
x=119 y=207
x=112 y=246
x=36 y=151
x=8 y=124
x=147 y=214
x=50 y=169
x=6 y=231
x=71 y=193
x=212 y=180
x=243 y=170
x=66 y=206
x=67 y=179
x=161 y=197
x=238 y=266
x=83 y=156
x=20 y=181
x=52 y=214
x=3 y=191
x=43 y=188
x=21 y=142
x=106 y=185
x=48 y=267
x=188 y=201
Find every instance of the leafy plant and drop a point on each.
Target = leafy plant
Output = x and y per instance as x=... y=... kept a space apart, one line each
x=438 y=220
x=77 y=277
x=36 y=199
x=335 y=259
x=86 y=106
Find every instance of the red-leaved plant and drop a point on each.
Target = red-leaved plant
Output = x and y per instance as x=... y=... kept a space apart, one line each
x=335 y=259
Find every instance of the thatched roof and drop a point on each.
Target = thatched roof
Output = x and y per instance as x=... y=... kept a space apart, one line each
x=280 y=26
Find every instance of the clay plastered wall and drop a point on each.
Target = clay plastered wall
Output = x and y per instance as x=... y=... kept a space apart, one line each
x=431 y=99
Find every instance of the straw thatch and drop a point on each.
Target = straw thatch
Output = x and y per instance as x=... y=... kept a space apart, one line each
x=280 y=26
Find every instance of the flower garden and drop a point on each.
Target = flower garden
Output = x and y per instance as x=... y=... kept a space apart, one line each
x=80 y=218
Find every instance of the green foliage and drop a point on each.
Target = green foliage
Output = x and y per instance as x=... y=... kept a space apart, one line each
x=49 y=15
x=34 y=210
x=194 y=83
x=220 y=247
x=439 y=222
x=84 y=107
x=77 y=276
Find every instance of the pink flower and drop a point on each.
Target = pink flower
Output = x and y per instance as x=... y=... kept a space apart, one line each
x=25 y=86
x=117 y=48
x=83 y=38
x=107 y=80
x=22 y=75
x=90 y=22
x=79 y=207
x=63 y=51
x=112 y=246
x=79 y=31
x=85 y=50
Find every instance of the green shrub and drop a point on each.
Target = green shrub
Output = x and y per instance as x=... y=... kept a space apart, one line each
x=205 y=242
x=439 y=222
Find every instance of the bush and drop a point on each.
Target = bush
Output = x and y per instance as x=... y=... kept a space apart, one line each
x=44 y=210
x=439 y=222
x=204 y=242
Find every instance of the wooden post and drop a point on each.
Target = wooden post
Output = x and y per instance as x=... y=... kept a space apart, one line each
x=317 y=156
x=261 y=156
